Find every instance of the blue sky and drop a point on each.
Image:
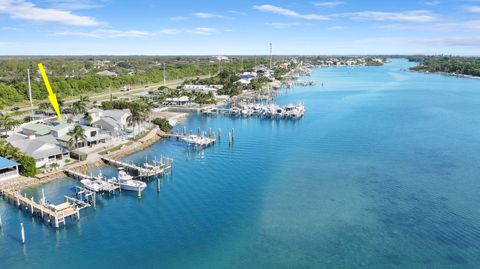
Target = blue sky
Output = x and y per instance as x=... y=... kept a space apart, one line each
x=210 y=27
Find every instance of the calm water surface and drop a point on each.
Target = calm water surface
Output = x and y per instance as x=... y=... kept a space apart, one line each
x=383 y=172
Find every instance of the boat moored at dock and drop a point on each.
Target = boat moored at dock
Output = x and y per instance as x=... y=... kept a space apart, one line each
x=126 y=182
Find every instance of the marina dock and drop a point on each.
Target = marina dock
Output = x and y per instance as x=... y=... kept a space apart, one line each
x=201 y=139
x=267 y=111
x=105 y=186
x=149 y=170
x=52 y=214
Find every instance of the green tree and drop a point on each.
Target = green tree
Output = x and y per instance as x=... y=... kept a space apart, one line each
x=28 y=166
x=163 y=124
x=80 y=106
x=7 y=123
x=76 y=135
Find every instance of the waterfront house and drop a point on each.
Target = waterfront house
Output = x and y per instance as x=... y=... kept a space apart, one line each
x=8 y=169
x=61 y=129
x=93 y=136
x=44 y=149
x=112 y=121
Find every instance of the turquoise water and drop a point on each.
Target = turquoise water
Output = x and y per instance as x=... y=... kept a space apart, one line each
x=383 y=172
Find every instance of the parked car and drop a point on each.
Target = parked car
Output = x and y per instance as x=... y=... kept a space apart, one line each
x=15 y=108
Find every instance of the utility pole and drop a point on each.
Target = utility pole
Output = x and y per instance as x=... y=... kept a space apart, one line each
x=30 y=91
x=164 y=76
x=271 y=55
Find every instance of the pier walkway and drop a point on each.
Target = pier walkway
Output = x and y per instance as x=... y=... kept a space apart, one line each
x=54 y=214
x=158 y=168
x=106 y=186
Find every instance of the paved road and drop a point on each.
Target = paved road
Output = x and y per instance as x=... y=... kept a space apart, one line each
x=104 y=96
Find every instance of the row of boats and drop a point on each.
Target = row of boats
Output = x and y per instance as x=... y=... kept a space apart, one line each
x=123 y=180
x=270 y=111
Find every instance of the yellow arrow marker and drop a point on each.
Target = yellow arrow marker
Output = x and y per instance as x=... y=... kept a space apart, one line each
x=51 y=96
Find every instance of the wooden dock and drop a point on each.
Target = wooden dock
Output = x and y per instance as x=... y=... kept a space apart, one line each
x=52 y=214
x=106 y=186
x=159 y=168
x=201 y=140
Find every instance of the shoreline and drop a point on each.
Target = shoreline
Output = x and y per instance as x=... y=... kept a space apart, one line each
x=22 y=182
x=445 y=74
x=174 y=115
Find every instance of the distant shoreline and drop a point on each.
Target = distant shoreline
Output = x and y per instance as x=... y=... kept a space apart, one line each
x=446 y=74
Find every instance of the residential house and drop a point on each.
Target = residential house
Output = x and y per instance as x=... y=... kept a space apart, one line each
x=93 y=136
x=112 y=121
x=246 y=77
x=44 y=149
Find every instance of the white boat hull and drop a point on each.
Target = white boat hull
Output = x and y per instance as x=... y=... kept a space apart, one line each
x=133 y=186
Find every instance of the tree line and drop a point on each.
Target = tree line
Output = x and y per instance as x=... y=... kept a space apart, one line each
x=447 y=64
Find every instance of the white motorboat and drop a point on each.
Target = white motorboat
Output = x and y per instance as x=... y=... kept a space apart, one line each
x=126 y=182
x=91 y=185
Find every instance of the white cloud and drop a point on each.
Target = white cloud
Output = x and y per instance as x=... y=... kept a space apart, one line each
x=169 y=31
x=103 y=33
x=195 y=31
x=23 y=10
x=237 y=12
x=329 y=4
x=420 y=16
x=74 y=4
x=283 y=25
x=462 y=41
x=204 y=15
x=289 y=13
x=431 y=3
x=471 y=25
x=475 y=9
x=201 y=31
x=338 y=27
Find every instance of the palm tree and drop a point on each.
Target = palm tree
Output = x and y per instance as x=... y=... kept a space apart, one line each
x=76 y=134
x=80 y=106
x=7 y=122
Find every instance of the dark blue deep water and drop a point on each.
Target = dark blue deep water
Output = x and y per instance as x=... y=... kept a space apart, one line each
x=383 y=172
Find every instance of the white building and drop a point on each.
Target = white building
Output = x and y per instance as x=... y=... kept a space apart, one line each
x=180 y=101
x=44 y=149
x=111 y=121
x=202 y=88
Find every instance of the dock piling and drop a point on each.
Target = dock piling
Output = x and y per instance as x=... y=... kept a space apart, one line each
x=31 y=205
x=218 y=133
x=233 y=134
x=94 y=201
x=139 y=193
x=158 y=185
x=22 y=232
